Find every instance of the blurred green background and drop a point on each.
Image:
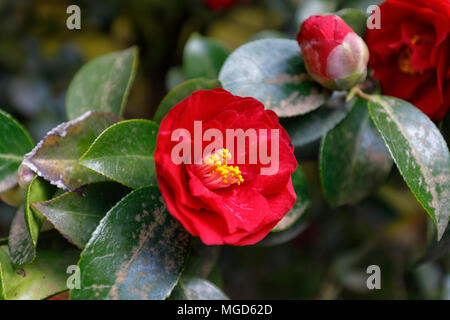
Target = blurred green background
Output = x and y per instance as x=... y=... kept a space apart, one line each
x=329 y=251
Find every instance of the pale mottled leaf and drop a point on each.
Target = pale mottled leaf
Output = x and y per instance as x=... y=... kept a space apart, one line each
x=420 y=153
x=55 y=158
x=309 y=128
x=273 y=72
x=137 y=251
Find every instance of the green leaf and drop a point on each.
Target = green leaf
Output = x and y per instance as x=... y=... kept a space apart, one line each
x=361 y=4
x=309 y=128
x=27 y=224
x=20 y=244
x=354 y=160
x=76 y=214
x=38 y=190
x=300 y=206
x=203 y=57
x=14 y=143
x=103 y=84
x=420 y=153
x=55 y=158
x=45 y=277
x=309 y=8
x=197 y=289
x=124 y=153
x=356 y=19
x=137 y=251
x=181 y=92
x=273 y=72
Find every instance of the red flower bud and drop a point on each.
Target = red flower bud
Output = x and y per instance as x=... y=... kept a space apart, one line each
x=335 y=56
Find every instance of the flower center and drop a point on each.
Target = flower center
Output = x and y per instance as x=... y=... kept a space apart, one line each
x=404 y=58
x=215 y=171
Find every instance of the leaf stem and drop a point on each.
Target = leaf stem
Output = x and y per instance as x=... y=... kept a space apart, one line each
x=356 y=90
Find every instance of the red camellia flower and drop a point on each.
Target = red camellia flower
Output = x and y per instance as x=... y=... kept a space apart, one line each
x=225 y=195
x=411 y=53
x=334 y=54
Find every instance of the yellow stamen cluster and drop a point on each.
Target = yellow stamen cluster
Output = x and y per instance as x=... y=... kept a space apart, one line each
x=416 y=39
x=217 y=173
x=404 y=58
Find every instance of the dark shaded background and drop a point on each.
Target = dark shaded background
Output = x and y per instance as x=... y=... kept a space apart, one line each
x=328 y=257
